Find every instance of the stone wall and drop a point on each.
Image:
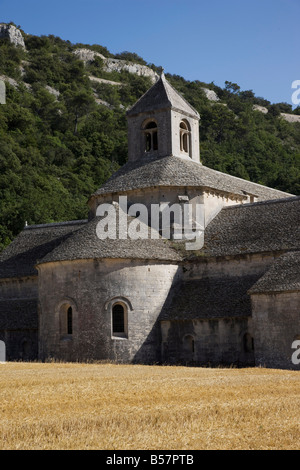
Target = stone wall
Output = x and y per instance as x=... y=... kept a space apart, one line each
x=233 y=266
x=211 y=201
x=176 y=118
x=211 y=342
x=276 y=324
x=136 y=136
x=216 y=339
x=91 y=288
x=19 y=318
x=168 y=125
x=18 y=288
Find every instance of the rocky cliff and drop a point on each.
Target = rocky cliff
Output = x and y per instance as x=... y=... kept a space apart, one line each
x=12 y=33
x=117 y=65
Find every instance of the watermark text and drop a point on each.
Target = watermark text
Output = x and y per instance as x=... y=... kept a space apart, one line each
x=296 y=354
x=139 y=222
x=296 y=94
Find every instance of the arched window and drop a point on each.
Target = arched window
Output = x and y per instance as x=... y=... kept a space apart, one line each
x=66 y=320
x=189 y=344
x=119 y=321
x=26 y=349
x=151 y=139
x=188 y=349
x=185 y=133
x=70 y=321
x=248 y=343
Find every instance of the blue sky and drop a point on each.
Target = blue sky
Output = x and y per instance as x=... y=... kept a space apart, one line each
x=254 y=43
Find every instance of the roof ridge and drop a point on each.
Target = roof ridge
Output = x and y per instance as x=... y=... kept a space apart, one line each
x=163 y=77
x=168 y=97
x=171 y=170
x=56 y=224
x=141 y=97
x=259 y=203
x=246 y=181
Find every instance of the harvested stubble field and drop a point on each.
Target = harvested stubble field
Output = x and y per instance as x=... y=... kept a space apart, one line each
x=122 y=407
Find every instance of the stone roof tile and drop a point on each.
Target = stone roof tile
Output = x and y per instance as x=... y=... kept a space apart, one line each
x=33 y=243
x=210 y=298
x=177 y=172
x=284 y=275
x=85 y=244
x=254 y=228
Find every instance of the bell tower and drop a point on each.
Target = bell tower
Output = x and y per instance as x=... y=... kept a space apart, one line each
x=162 y=123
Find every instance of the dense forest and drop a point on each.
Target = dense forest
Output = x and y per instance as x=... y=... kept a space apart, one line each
x=62 y=135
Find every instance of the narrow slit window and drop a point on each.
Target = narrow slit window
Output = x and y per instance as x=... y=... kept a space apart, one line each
x=248 y=343
x=118 y=319
x=70 y=321
x=189 y=344
x=66 y=321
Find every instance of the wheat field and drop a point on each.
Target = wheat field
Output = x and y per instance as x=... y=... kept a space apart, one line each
x=132 y=407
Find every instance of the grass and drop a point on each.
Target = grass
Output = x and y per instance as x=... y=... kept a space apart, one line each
x=132 y=407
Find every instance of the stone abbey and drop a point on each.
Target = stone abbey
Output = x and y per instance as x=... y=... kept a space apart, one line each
x=69 y=295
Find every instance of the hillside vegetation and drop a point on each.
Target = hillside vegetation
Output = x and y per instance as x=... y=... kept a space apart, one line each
x=62 y=134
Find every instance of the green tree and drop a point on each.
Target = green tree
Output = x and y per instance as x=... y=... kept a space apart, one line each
x=79 y=103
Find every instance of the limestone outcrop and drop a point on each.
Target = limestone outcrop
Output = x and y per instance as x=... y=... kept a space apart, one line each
x=210 y=94
x=12 y=33
x=290 y=117
x=261 y=109
x=117 y=65
x=87 y=55
x=14 y=82
x=103 y=80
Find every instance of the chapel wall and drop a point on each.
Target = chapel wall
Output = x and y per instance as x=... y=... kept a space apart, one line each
x=276 y=324
x=208 y=342
x=91 y=287
x=19 y=288
x=229 y=266
x=19 y=317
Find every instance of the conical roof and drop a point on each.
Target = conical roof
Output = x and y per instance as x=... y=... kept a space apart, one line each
x=174 y=171
x=162 y=96
x=85 y=244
